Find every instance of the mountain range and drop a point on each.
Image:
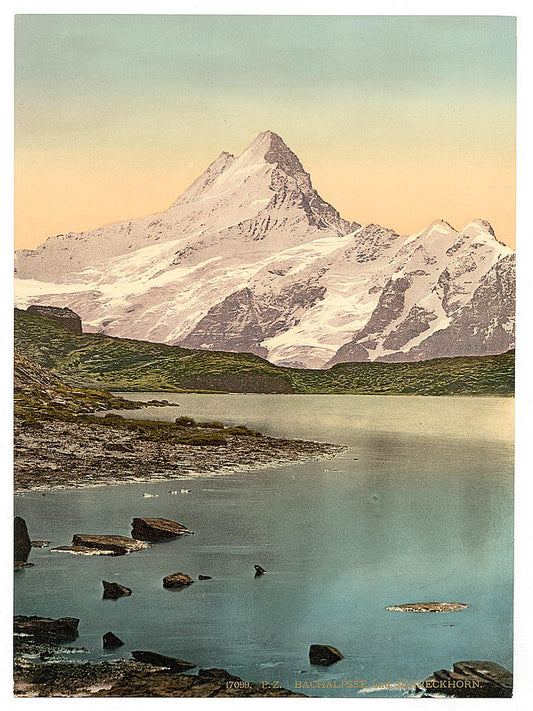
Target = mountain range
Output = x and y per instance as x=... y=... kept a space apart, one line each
x=251 y=259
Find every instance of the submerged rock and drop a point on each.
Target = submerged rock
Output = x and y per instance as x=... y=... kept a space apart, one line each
x=259 y=571
x=40 y=544
x=177 y=580
x=160 y=660
x=157 y=529
x=324 y=654
x=82 y=550
x=471 y=680
x=111 y=641
x=428 y=607
x=22 y=540
x=46 y=629
x=113 y=591
x=89 y=544
x=204 y=577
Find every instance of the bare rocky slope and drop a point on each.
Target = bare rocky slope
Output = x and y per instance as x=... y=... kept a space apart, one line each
x=251 y=259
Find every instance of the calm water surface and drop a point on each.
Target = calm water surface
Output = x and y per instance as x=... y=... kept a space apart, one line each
x=419 y=508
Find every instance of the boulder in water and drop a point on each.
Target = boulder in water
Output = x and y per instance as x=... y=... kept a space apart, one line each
x=157 y=529
x=111 y=641
x=324 y=654
x=428 y=607
x=177 y=580
x=112 y=591
x=89 y=544
x=22 y=540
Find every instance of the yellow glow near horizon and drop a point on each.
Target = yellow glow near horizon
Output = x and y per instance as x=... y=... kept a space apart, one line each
x=54 y=197
x=400 y=120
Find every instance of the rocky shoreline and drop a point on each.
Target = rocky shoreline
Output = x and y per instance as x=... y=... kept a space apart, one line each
x=150 y=675
x=57 y=455
x=60 y=443
x=54 y=678
x=147 y=674
x=132 y=679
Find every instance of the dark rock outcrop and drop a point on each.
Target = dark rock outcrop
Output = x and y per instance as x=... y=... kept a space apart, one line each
x=160 y=660
x=65 y=316
x=177 y=580
x=22 y=546
x=244 y=319
x=111 y=641
x=204 y=577
x=112 y=591
x=89 y=544
x=324 y=654
x=157 y=529
x=388 y=309
x=471 y=680
x=46 y=629
x=259 y=571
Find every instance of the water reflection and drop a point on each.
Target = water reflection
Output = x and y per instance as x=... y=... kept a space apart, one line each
x=413 y=511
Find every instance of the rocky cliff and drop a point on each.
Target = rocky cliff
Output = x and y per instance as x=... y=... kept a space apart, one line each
x=66 y=316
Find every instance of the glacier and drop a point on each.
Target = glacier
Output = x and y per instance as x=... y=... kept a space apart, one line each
x=250 y=258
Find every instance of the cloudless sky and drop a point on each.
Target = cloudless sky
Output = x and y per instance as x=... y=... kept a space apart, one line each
x=399 y=119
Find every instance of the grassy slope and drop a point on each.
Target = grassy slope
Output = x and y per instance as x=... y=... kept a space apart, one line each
x=102 y=362
x=40 y=395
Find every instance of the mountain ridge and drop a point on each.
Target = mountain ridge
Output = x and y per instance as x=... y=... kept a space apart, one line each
x=250 y=258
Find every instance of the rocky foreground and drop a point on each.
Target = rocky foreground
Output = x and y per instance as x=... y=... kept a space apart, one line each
x=148 y=674
x=123 y=678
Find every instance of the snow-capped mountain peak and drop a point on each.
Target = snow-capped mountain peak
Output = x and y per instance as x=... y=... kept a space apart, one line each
x=210 y=174
x=251 y=258
x=270 y=147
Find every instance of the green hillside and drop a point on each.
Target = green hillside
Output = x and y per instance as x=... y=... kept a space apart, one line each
x=106 y=363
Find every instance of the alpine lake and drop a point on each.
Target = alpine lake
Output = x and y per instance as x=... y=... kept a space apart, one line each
x=417 y=508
